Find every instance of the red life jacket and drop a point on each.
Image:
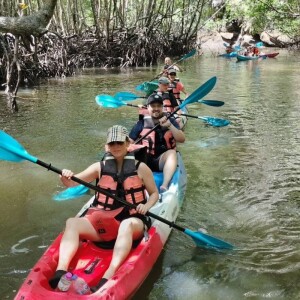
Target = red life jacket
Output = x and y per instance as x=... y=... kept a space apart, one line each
x=159 y=140
x=127 y=185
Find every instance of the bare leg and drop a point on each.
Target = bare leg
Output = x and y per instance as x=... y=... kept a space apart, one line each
x=168 y=163
x=76 y=228
x=130 y=229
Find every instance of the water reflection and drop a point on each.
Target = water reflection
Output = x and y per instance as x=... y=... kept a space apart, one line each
x=243 y=180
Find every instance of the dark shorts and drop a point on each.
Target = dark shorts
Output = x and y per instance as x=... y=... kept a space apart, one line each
x=124 y=214
x=153 y=163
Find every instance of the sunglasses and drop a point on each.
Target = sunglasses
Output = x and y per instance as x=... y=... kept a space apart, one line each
x=116 y=143
x=172 y=74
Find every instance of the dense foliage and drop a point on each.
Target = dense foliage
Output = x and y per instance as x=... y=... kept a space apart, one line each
x=94 y=33
x=267 y=15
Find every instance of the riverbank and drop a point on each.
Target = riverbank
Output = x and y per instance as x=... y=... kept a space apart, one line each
x=212 y=42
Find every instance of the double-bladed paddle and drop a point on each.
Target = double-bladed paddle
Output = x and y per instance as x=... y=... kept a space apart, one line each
x=128 y=96
x=141 y=87
x=12 y=150
x=110 y=102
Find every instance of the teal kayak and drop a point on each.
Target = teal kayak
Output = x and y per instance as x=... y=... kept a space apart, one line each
x=245 y=58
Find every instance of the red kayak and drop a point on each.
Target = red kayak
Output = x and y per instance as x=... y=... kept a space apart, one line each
x=135 y=268
x=270 y=55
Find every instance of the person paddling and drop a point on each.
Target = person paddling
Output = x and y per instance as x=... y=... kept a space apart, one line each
x=107 y=219
x=176 y=85
x=168 y=65
x=161 y=143
x=170 y=103
x=169 y=100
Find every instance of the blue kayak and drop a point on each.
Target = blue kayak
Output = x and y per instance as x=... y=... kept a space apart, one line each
x=229 y=55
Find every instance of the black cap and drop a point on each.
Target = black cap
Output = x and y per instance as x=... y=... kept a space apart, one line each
x=154 y=98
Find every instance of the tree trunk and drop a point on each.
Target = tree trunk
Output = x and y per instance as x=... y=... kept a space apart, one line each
x=24 y=27
x=34 y=24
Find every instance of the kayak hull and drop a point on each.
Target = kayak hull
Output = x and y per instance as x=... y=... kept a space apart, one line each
x=246 y=58
x=133 y=271
x=270 y=55
x=263 y=56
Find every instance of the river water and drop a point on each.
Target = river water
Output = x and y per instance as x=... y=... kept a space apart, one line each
x=243 y=180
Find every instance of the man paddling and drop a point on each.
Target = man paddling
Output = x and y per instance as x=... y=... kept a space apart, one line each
x=168 y=65
x=161 y=143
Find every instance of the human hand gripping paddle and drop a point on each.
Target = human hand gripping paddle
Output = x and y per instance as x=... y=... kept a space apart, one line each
x=108 y=101
x=141 y=87
x=12 y=150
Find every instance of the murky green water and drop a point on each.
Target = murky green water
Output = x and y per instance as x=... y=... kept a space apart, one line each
x=243 y=180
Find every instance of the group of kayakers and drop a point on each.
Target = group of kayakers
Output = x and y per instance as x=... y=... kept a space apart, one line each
x=251 y=51
x=169 y=88
x=121 y=176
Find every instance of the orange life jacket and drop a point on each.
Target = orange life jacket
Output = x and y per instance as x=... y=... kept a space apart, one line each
x=173 y=86
x=159 y=140
x=127 y=185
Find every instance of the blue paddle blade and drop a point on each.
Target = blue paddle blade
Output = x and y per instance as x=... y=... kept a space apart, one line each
x=104 y=97
x=108 y=101
x=71 y=193
x=215 y=122
x=107 y=104
x=140 y=87
x=207 y=241
x=150 y=87
x=127 y=96
x=200 y=92
x=11 y=150
x=190 y=54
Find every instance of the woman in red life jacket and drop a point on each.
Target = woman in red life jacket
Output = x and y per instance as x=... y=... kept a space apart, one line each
x=161 y=143
x=175 y=84
x=107 y=219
